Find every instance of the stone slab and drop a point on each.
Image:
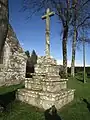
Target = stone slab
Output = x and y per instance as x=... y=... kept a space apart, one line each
x=45 y=77
x=48 y=86
x=48 y=69
x=45 y=99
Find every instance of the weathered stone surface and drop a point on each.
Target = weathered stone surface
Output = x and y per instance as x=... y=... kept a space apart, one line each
x=46 y=60
x=47 y=65
x=14 y=61
x=49 y=69
x=46 y=88
x=47 y=17
x=45 y=99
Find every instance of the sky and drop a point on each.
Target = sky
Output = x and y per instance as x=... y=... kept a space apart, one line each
x=31 y=34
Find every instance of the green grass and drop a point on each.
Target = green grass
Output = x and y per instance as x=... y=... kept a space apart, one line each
x=7 y=89
x=76 y=110
x=21 y=111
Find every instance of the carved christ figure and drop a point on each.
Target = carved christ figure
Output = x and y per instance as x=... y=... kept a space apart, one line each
x=47 y=17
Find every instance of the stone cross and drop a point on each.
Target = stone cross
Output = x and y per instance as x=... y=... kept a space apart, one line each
x=47 y=17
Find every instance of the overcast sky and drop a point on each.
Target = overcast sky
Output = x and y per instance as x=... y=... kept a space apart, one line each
x=31 y=34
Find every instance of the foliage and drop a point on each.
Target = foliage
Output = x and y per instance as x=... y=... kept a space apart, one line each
x=33 y=57
x=79 y=69
x=80 y=76
x=27 y=53
x=32 y=60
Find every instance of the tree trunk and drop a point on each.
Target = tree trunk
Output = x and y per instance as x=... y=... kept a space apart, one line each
x=73 y=53
x=3 y=23
x=64 y=50
x=84 y=72
x=74 y=38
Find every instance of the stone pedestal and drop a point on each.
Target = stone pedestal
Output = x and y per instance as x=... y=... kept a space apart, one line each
x=46 y=88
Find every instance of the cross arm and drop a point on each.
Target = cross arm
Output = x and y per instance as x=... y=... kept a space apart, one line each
x=44 y=16
x=51 y=14
x=48 y=15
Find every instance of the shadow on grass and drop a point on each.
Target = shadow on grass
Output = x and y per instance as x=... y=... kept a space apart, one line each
x=87 y=103
x=81 y=80
x=6 y=101
x=8 y=96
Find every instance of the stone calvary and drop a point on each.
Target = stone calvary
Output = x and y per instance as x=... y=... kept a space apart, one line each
x=46 y=88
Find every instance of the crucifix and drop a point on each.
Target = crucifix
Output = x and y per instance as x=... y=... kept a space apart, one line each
x=47 y=17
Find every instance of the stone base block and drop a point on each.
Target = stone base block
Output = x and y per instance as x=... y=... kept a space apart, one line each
x=47 y=68
x=48 y=86
x=46 y=77
x=46 y=60
x=45 y=99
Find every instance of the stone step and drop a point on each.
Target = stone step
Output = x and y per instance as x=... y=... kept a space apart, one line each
x=45 y=99
x=47 y=68
x=48 y=86
x=45 y=77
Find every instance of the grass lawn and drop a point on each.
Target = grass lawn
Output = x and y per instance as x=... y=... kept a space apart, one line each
x=7 y=89
x=76 y=110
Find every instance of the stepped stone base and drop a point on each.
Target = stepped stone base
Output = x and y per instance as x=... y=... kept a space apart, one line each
x=46 y=88
x=49 y=86
x=45 y=99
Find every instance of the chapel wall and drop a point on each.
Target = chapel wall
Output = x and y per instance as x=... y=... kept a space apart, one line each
x=14 y=61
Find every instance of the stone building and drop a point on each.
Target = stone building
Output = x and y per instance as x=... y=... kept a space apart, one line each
x=13 y=60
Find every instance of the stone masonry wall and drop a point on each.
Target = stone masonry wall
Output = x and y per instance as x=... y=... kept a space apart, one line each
x=14 y=61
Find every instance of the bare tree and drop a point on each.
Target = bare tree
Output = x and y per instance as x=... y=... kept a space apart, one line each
x=74 y=20
x=84 y=73
x=3 y=23
x=64 y=14
x=81 y=18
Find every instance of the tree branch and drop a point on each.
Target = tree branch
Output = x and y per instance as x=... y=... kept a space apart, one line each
x=83 y=21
